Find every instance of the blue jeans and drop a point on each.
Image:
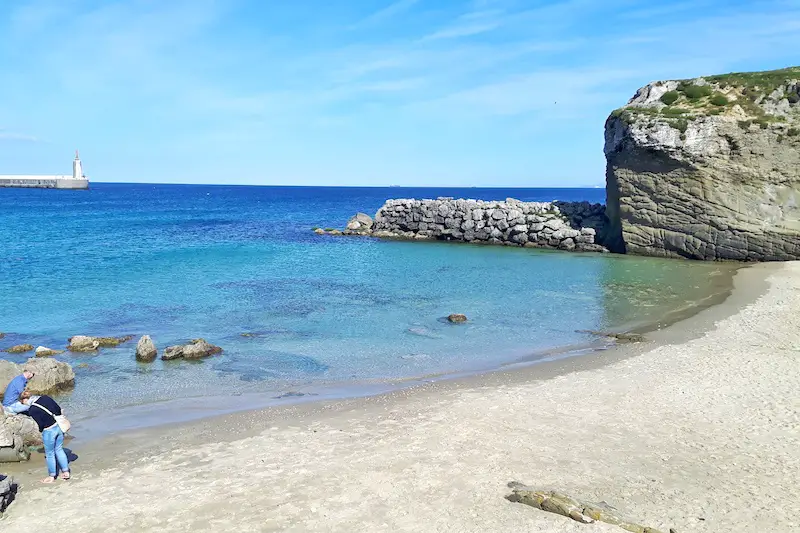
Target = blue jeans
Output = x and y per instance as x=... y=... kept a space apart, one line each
x=53 y=440
x=16 y=408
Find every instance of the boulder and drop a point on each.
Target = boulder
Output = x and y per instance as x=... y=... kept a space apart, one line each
x=24 y=428
x=319 y=231
x=20 y=348
x=457 y=318
x=2 y=335
x=197 y=349
x=360 y=223
x=83 y=343
x=146 y=351
x=50 y=375
x=43 y=351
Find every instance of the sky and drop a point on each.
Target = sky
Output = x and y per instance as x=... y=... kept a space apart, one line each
x=356 y=92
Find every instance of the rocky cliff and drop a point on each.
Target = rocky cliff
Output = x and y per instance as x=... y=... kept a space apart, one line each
x=707 y=168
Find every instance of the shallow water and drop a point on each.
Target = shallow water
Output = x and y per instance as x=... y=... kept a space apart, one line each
x=179 y=262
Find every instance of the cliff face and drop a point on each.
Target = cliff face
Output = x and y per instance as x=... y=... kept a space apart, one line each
x=707 y=168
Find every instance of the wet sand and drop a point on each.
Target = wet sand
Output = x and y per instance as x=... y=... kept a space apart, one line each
x=695 y=430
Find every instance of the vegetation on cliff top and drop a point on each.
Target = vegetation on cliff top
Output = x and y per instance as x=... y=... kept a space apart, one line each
x=721 y=94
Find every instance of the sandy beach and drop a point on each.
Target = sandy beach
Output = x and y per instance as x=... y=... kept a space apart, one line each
x=698 y=430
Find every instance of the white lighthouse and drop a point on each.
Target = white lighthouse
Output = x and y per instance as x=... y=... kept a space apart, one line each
x=77 y=168
x=76 y=181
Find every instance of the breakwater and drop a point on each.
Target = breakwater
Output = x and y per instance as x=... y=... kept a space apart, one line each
x=559 y=225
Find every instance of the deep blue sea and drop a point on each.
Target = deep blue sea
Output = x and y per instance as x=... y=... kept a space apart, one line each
x=179 y=262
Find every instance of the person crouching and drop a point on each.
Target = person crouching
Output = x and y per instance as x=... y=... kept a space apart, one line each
x=44 y=409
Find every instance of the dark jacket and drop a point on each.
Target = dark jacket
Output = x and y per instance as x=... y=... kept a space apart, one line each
x=43 y=419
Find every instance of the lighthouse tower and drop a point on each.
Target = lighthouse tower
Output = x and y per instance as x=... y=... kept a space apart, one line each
x=77 y=168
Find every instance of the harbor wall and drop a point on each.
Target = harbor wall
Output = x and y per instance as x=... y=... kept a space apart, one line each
x=43 y=182
x=559 y=225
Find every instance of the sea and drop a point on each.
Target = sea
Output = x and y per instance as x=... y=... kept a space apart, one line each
x=300 y=316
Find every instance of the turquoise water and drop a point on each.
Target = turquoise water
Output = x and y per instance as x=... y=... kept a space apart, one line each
x=179 y=262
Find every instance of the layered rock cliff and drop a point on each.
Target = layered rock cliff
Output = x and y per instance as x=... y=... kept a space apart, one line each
x=707 y=168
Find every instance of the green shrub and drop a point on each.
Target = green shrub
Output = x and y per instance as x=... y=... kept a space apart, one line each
x=695 y=92
x=719 y=100
x=763 y=123
x=745 y=124
x=780 y=138
x=673 y=112
x=670 y=97
x=793 y=132
x=681 y=125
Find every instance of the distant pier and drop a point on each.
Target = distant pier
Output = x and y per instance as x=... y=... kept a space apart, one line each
x=77 y=181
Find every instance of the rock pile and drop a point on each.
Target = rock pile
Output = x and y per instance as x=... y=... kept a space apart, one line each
x=514 y=223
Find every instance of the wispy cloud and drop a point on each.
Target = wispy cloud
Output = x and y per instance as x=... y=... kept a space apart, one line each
x=382 y=15
x=13 y=136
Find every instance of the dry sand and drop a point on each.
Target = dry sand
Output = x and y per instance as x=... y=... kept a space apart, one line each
x=699 y=434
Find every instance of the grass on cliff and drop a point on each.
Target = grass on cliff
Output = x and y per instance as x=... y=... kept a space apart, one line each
x=689 y=99
x=761 y=83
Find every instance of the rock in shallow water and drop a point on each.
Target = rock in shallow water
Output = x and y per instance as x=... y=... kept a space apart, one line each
x=457 y=318
x=20 y=348
x=43 y=351
x=197 y=349
x=146 y=351
x=83 y=343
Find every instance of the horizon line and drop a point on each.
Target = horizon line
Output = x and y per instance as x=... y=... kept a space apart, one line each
x=353 y=186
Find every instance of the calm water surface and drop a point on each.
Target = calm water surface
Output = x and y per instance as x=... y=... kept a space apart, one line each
x=178 y=262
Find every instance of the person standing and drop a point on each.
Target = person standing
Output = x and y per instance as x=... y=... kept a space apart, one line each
x=11 y=402
x=44 y=409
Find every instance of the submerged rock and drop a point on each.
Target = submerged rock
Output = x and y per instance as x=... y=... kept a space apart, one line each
x=43 y=351
x=146 y=351
x=113 y=342
x=196 y=349
x=20 y=348
x=619 y=337
x=457 y=318
x=564 y=505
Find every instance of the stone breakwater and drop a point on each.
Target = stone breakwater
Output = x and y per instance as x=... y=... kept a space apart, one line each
x=564 y=226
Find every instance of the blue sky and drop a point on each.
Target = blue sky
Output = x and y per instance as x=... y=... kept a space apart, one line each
x=363 y=92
